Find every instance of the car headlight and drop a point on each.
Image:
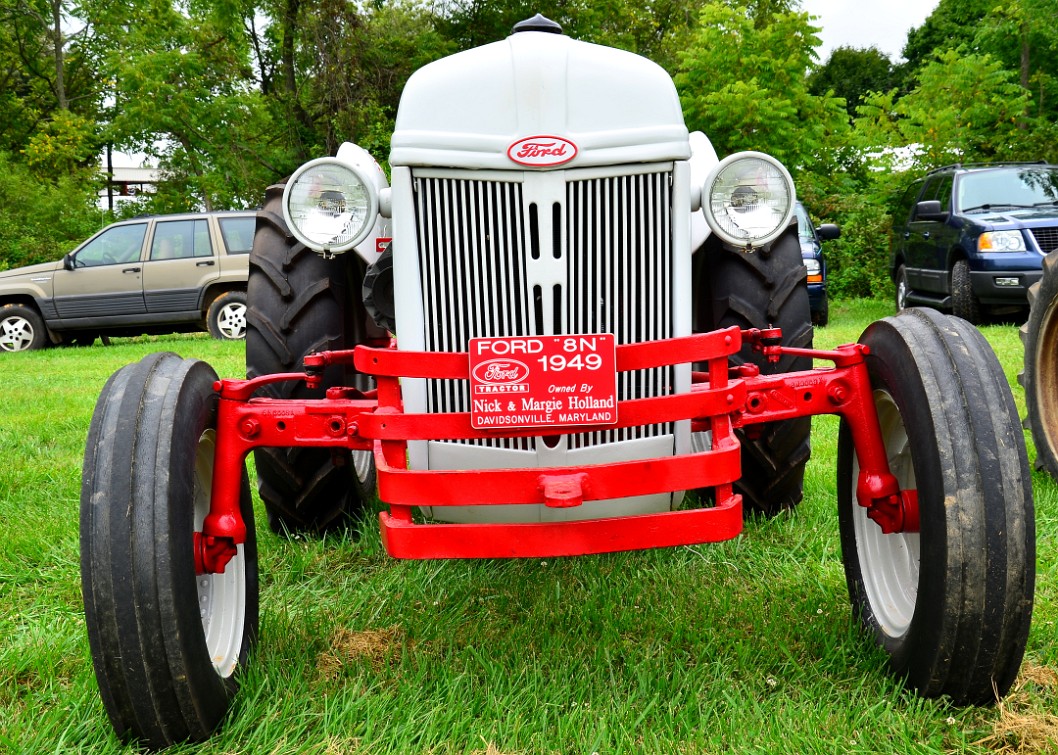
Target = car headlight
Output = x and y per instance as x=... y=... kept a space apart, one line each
x=748 y=199
x=1001 y=241
x=329 y=205
x=814 y=269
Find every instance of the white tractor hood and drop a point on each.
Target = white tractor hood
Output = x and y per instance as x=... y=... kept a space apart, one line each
x=539 y=100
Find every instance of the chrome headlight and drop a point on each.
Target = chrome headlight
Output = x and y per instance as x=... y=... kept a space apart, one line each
x=814 y=268
x=329 y=205
x=748 y=199
x=1001 y=241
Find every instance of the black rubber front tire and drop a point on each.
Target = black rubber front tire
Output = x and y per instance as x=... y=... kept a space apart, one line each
x=964 y=303
x=901 y=288
x=21 y=328
x=301 y=303
x=762 y=289
x=167 y=644
x=226 y=318
x=1039 y=336
x=951 y=604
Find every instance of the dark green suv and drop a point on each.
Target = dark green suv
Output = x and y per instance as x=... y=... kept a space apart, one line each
x=971 y=238
x=160 y=274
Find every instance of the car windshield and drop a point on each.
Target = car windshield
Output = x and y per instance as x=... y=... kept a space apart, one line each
x=804 y=225
x=1008 y=188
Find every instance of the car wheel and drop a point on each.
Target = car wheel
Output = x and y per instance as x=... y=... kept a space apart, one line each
x=951 y=603
x=1039 y=337
x=227 y=316
x=901 y=288
x=821 y=317
x=167 y=643
x=963 y=302
x=21 y=329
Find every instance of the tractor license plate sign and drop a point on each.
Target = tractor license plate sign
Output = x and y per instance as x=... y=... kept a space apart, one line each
x=542 y=381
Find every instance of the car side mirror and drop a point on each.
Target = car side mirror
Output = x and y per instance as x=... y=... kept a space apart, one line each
x=930 y=210
x=67 y=261
x=828 y=232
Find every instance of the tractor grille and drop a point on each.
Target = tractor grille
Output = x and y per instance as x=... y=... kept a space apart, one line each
x=482 y=243
x=1046 y=239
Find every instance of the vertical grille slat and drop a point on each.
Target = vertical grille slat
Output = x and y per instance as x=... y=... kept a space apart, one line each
x=612 y=234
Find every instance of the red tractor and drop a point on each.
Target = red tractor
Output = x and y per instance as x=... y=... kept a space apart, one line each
x=566 y=328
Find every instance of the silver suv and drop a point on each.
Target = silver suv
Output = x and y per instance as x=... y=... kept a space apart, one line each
x=160 y=274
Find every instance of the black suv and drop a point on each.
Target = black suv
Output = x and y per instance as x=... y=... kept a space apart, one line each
x=971 y=238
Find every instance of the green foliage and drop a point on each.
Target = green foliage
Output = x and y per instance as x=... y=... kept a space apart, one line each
x=746 y=89
x=850 y=73
x=42 y=220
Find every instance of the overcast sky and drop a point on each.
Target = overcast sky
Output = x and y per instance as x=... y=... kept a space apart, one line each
x=856 y=23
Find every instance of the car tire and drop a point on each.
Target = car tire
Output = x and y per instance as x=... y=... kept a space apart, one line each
x=902 y=289
x=950 y=604
x=21 y=328
x=1039 y=337
x=964 y=303
x=763 y=289
x=821 y=317
x=168 y=645
x=299 y=303
x=226 y=317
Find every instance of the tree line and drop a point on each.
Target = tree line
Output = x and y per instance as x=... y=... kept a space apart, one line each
x=228 y=96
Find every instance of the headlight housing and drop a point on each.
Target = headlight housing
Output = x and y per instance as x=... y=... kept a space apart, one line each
x=329 y=205
x=1001 y=241
x=748 y=199
x=815 y=270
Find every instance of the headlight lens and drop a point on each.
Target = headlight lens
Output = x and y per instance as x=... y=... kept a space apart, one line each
x=749 y=199
x=814 y=268
x=329 y=206
x=1001 y=241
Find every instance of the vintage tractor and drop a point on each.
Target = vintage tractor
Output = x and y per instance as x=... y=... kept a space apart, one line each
x=583 y=333
x=1039 y=335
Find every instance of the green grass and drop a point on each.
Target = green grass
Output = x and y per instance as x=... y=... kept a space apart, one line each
x=741 y=646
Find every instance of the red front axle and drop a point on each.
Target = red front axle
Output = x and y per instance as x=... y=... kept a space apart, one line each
x=721 y=400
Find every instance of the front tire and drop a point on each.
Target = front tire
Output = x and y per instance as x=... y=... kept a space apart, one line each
x=900 y=282
x=964 y=303
x=21 y=329
x=167 y=644
x=950 y=604
x=1039 y=336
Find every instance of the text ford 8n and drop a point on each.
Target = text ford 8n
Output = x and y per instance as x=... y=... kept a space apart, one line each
x=578 y=315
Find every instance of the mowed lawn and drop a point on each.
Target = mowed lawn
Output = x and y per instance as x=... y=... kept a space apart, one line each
x=744 y=646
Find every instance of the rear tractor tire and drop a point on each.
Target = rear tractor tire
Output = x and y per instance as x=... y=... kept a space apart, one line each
x=301 y=303
x=1039 y=336
x=951 y=603
x=762 y=289
x=168 y=645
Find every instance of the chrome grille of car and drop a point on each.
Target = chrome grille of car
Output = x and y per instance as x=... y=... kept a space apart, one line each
x=1046 y=239
x=478 y=240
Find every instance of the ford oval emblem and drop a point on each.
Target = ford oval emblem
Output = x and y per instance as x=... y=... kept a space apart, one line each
x=542 y=151
x=501 y=372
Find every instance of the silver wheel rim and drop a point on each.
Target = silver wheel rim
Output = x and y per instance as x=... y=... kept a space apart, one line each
x=221 y=597
x=889 y=564
x=363 y=462
x=901 y=294
x=16 y=333
x=231 y=320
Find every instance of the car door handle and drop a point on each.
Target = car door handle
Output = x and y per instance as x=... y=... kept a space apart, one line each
x=204 y=263
x=131 y=270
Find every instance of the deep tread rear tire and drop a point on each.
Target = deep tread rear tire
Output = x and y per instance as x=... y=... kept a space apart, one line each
x=762 y=289
x=300 y=303
x=167 y=645
x=1039 y=336
x=951 y=604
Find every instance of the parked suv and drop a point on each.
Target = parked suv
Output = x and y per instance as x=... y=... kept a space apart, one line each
x=811 y=239
x=971 y=238
x=160 y=274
